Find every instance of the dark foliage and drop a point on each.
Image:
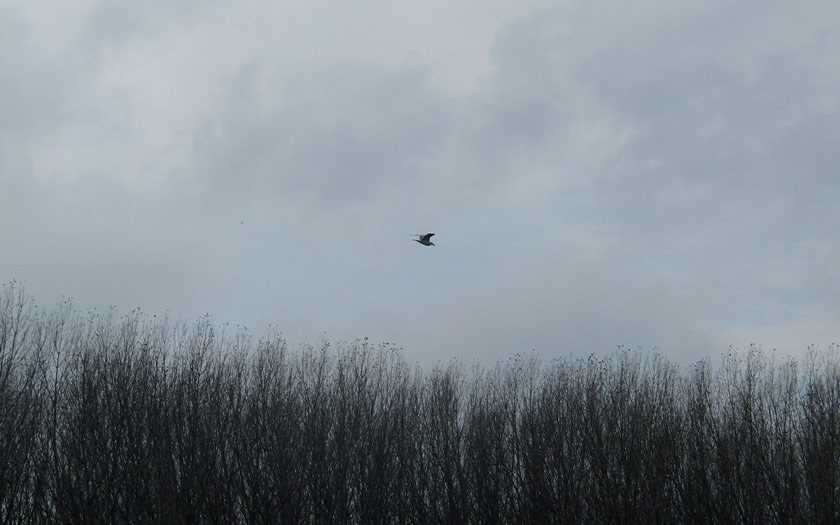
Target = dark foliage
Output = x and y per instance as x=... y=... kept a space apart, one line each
x=109 y=419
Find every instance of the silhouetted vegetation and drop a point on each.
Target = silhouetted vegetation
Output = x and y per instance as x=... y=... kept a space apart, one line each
x=130 y=419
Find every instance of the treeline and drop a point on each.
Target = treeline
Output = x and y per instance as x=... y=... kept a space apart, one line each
x=131 y=419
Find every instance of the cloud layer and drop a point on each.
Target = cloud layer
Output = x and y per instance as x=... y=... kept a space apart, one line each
x=596 y=175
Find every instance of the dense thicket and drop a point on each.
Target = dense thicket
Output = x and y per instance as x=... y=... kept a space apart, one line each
x=108 y=419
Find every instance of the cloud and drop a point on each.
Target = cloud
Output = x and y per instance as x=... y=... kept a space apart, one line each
x=596 y=174
x=339 y=139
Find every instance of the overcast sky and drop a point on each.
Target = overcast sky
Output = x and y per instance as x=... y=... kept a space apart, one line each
x=656 y=174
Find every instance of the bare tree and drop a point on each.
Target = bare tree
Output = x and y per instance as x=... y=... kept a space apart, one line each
x=819 y=435
x=108 y=418
x=21 y=409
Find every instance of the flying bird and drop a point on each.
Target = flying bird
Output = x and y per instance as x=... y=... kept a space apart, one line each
x=425 y=240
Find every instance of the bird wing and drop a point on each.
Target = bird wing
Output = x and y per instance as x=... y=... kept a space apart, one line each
x=427 y=237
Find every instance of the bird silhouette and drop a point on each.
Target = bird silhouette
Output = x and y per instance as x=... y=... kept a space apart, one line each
x=425 y=240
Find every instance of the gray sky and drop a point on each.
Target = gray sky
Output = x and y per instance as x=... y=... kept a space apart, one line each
x=597 y=173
